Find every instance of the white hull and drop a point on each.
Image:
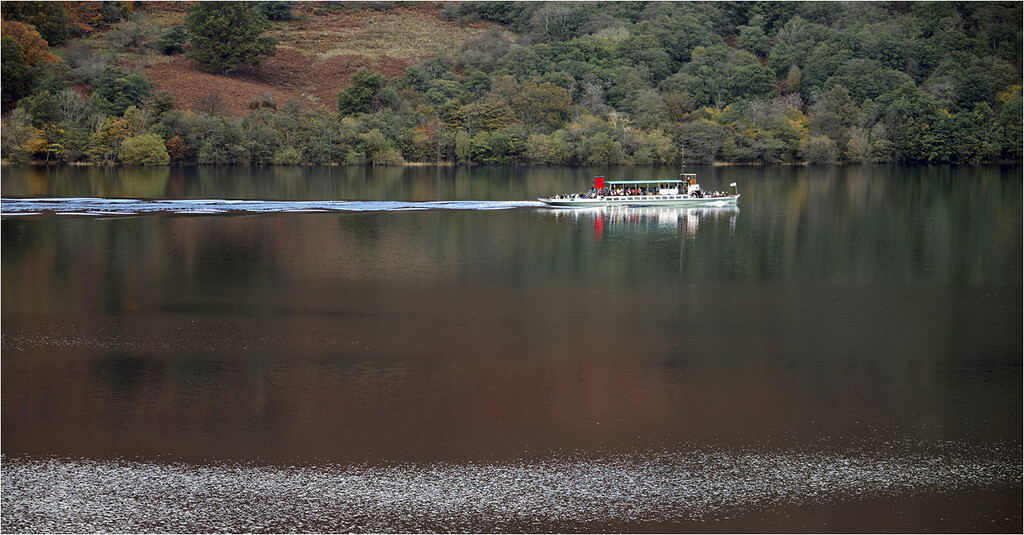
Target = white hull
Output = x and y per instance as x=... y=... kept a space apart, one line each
x=639 y=200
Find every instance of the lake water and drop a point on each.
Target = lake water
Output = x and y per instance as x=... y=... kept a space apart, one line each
x=842 y=351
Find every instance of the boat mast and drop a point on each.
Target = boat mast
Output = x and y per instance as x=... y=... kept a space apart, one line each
x=682 y=168
x=682 y=158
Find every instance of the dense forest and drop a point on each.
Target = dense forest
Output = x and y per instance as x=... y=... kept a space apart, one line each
x=535 y=83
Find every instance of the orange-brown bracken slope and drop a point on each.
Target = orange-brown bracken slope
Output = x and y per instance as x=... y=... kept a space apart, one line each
x=317 y=54
x=287 y=75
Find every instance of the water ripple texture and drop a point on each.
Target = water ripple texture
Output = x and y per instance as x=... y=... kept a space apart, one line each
x=88 y=206
x=562 y=493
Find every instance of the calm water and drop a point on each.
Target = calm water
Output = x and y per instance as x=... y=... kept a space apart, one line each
x=841 y=351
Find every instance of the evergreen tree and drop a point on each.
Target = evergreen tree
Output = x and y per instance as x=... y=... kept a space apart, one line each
x=122 y=90
x=225 y=36
x=171 y=41
x=17 y=78
x=361 y=97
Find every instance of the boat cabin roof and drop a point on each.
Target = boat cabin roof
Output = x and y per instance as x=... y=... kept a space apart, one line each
x=635 y=182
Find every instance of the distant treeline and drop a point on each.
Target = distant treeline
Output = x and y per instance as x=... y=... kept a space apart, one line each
x=580 y=83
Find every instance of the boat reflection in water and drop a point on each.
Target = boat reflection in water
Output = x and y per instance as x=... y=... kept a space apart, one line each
x=658 y=218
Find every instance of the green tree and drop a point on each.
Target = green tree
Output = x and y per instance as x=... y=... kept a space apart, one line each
x=833 y=113
x=172 y=40
x=542 y=108
x=752 y=37
x=225 y=36
x=16 y=134
x=323 y=141
x=17 y=77
x=500 y=147
x=160 y=102
x=43 y=108
x=822 y=62
x=462 y=146
x=866 y=78
x=720 y=75
x=677 y=31
x=819 y=150
x=379 y=150
x=122 y=90
x=858 y=149
x=260 y=136
x=679 y=106
x=74 y=142
x=599 y=150
x=53 y=77
x=703 y=140
x=793 y=80
x=219 y=141
x=287 y=156
x=649 y=109
x=363 y=95
x=656 y=148
x=1009 y=130
x=780 y=58
x=548 y=149
x=277 y=10
x=145 y=149
x=886 y=43
x=909 y=115
x=490 y=113
x=183 y=125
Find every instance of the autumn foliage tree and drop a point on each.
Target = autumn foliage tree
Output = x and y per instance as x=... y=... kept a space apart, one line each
x=83 y=16
x=33 y=47
x=176 y=148
x=48 y=18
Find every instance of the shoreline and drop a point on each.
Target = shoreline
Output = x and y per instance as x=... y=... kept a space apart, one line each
x=41 y=163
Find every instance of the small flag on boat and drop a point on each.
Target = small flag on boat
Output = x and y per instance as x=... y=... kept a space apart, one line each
x=733 y=184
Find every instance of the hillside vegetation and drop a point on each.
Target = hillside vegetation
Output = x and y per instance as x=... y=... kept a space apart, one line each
x=505 y=83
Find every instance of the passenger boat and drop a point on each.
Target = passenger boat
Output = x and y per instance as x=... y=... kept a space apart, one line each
x=683 y=191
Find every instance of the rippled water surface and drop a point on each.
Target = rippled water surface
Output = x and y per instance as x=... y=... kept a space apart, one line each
x=642 y=490
x=421 y=349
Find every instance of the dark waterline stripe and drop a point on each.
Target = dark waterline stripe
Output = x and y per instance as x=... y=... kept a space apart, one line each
x=111 y=207
x=556 y=493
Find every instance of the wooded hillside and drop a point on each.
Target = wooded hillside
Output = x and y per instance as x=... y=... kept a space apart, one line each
x=505 y=83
